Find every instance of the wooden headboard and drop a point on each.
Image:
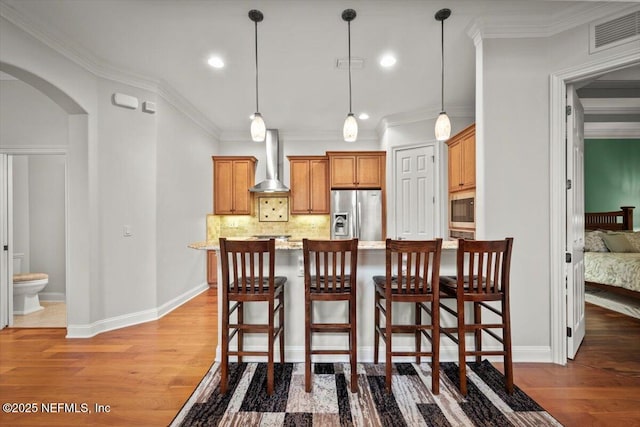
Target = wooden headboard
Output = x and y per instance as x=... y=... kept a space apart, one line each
x=610 y=220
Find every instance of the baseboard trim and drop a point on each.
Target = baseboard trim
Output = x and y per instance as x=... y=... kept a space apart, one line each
x=52 y=296
x=118 y=322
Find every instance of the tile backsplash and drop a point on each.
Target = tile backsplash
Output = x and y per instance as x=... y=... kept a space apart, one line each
x=298 y=226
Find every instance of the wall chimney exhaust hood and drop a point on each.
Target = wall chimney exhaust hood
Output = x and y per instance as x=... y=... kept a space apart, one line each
x=271 y=184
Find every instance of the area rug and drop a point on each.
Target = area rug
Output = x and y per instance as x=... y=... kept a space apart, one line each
x=620 y=303
x=330 y=403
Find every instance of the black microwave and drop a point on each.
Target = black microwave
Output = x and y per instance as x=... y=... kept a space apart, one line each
x=462 y=210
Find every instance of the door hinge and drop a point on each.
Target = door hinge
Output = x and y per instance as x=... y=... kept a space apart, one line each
x=569 y=332
x=567 y=257
x=433 y=159
x=6 y=247
x=569 y=183
x=569 y=110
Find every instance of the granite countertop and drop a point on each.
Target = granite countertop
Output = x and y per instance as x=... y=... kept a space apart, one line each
x=297 y=244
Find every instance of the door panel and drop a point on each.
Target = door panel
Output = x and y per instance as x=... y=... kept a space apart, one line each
x=6 y=239
x=575 y=223
x=414 y=193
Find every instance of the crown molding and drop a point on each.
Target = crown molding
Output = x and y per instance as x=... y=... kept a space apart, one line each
x=535 y=26
x=611 y=130
x=421 y=115
x=238 y=135
x=169 y=94
x=89 y=62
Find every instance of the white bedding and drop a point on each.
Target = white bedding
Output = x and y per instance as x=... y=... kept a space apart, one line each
x=615 y=269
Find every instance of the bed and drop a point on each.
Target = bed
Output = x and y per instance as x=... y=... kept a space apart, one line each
x=612 y=252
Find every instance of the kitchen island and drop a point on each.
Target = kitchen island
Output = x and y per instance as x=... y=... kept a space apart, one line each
x=288 y=262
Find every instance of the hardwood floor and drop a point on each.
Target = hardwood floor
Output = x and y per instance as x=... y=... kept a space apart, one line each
x=145 y=373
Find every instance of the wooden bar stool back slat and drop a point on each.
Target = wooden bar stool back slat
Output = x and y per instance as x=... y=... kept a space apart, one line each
x=483 y=268
x=412 y=276
x=248 y=275
x=330 y=274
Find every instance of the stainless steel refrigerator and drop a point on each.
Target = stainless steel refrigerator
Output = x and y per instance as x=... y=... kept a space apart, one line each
x=356 y=213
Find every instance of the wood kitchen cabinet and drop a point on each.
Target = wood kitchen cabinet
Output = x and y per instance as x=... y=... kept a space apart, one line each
x=357 y=169
x=309 y=184
x=462 y=160
x=233 y=176
x=212 y=268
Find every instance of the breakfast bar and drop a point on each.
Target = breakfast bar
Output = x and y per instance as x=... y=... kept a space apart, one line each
x=288 y=262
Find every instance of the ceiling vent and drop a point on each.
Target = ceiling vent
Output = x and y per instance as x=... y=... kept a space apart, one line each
x=614 y=32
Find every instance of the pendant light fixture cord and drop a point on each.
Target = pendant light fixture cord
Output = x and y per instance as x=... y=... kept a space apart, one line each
x=442 y=67
x=256 y=44
x=349 y=37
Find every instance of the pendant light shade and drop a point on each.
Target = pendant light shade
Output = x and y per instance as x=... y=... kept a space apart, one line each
x=443 y=124
x=258 y=127
x=350 y=128
x=443 y=127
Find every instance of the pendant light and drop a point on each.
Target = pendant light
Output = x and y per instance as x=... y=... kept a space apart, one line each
x=350 y=129
x=443 y=124
x=258 y=127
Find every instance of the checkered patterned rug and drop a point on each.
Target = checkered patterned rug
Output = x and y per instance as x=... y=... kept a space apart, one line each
x=330 y=403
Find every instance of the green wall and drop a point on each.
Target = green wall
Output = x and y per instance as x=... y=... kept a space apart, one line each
x=612 y=175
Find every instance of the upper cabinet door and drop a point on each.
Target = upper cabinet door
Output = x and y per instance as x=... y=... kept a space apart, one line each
x=233 y=176
x=462 y=160
x=309 y=184
x=357 y=169
x=343 y=171
x=369 y=171
x=319 y=186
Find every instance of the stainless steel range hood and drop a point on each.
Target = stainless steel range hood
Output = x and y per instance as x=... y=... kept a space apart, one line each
x=271 y=184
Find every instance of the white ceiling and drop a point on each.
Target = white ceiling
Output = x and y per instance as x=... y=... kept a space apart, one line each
x=168 y=42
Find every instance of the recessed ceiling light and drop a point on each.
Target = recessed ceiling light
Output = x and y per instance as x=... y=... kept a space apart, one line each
x=216 y=62
x=388 y=61
x=363 y=116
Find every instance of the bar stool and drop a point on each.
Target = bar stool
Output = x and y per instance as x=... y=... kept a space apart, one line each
x=482 y=277
x=248 y=276
x=412 y=276
x=330 y=275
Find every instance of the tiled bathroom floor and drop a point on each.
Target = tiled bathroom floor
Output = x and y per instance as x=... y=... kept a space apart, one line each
x=54 y=315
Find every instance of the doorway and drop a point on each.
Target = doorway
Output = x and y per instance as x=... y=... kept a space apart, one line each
x=559 y=208
x=35 y=205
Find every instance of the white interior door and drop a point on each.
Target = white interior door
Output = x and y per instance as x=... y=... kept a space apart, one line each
x=6 y=230
x=415 y=204
x=575 y=223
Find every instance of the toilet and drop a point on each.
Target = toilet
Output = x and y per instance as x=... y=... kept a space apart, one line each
x=25 y=289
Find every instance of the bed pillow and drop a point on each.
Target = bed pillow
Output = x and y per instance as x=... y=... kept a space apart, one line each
x=634 y=239
x=593 y=242
x=617 y=242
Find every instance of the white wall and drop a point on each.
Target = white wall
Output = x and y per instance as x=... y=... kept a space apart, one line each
x=514 y=169
x=31 y=119
x=514 y=176
x=20 y=206
x=47 y=222
x=74 y=89
x=116 y=164
x=126 y=172
x=184 y=189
